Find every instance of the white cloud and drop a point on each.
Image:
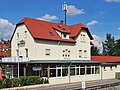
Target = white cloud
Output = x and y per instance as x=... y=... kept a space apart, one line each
x=97 y=42
x=92 y=23
x=112 y=0
x=118 y=28
x=72 y=10
x=48 y=17
x=6 y=28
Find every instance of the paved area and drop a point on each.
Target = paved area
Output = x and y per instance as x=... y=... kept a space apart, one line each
x=90 y=85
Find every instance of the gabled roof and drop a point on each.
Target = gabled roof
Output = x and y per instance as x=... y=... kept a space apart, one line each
x=41 y=29
x=105 y=58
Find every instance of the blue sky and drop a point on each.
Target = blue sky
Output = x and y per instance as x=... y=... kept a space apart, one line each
x=101 y=16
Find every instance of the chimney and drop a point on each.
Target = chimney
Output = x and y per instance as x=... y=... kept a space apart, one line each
x=61 y=22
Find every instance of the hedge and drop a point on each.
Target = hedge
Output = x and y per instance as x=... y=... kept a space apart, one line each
x=7 y=83
x=15 y=82
x=22 y=81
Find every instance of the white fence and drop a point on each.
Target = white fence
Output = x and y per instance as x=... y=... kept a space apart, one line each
x=15 y=59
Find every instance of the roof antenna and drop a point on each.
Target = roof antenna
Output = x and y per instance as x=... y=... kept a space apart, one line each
x=64 y=8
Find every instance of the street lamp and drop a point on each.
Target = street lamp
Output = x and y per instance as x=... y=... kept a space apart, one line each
x=22 y=42
x=18 y=57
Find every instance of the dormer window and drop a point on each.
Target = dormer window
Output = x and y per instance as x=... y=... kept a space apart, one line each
x=64 y=35
x=51 y=33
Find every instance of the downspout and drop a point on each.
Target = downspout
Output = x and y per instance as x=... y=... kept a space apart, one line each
x=101 y=72
x=69 y=72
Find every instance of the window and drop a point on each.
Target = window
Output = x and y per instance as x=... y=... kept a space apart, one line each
x=111 y=68
x=85 y=53
x=52 y=72
x=66 y=53
x=26 y=50
x=17 y=35
x=65 y=70
x=88 y=69
x=82 y=70
x=72 y=70
x=93 y=70
x=17 y=52
x=77 y=70
x=83 y=38
x=51 y=33
x=97 y=70
x=64 y=35
x=80 y=53
x=47 y=51
x=25 y=34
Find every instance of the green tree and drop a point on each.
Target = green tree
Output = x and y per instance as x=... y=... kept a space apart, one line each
x=109 y=45
x=117 y=47
x=94 y=51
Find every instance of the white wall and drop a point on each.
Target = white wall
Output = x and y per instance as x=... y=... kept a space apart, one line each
x=29 y=42
x=66 y=79
x=36 y=48
x=108 y=73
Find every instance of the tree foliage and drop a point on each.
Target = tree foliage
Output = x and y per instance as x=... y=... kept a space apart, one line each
x=94 y=51
x=109 y=45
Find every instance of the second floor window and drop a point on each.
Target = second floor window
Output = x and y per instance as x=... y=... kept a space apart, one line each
x=47 y=52
x=17 y=35
x=26 y=50
x=66 y=53
x=85 y=53
x=25 y=34
x=80 y=53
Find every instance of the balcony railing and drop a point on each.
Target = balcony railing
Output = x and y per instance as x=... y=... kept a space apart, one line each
x=15 y=59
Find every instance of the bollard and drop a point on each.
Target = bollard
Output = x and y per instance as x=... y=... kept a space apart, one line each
x=83 y=85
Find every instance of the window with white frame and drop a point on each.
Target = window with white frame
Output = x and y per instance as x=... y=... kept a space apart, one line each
x=17 y=52
x=80 y=53
x=72 y=70
x=85 y=53
x=77 y=70
x=82 y=38
x=17 y=35
x=88 y=69
x=97 y=70
x=66 y=53
x=25 y=34
x=26 y=51
x=47 y=52
x=82 y=70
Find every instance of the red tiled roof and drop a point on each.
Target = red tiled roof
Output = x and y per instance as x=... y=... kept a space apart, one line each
x=3 y=46
x=5 y=54
x=105 y=58
x=91 y=43
x=41 y=29
x=75 y=30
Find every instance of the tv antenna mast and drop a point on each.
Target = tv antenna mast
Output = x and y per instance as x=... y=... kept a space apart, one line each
x=64 y=8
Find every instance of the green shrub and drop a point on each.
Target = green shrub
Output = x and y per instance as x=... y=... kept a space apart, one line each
x=37 y=80
x=42 y=81
x=7 y=83
x=23 y=81
x=15 y=82
x=30 y=80
x=1 y=84
x=46 y=81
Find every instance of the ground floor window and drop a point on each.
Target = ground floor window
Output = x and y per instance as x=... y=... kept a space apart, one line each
x=97 y=70
x=72 y=70
x=52 y=72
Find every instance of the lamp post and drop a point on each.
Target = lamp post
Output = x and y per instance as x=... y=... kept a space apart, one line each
x=18 y=57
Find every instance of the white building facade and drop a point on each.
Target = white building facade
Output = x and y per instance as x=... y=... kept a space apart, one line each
x=53 y=50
